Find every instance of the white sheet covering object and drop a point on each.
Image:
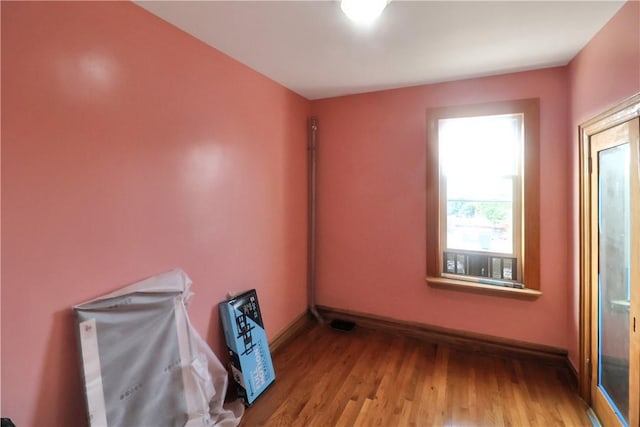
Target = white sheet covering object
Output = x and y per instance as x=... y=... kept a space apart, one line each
x=144 y=365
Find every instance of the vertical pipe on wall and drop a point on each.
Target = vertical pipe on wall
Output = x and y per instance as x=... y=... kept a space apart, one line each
x=313 y=130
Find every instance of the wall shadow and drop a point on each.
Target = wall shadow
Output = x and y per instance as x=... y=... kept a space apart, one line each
x=215 y=336
x=61 y=400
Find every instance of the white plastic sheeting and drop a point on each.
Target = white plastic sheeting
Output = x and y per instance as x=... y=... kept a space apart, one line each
x=145 y=365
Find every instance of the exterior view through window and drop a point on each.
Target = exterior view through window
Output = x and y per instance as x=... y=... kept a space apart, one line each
x=481 y=192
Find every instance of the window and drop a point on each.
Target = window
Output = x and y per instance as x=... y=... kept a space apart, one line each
x=480 y=171
x=482 y=197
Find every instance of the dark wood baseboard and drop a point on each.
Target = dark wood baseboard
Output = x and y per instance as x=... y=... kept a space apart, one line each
x=468 y=340
x=573 y=376
x=290 y=332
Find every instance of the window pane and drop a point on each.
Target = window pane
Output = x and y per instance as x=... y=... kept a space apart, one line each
x=480 y=214
x=486 y=145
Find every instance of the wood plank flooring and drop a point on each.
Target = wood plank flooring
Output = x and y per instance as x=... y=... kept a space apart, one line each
x=326 y=377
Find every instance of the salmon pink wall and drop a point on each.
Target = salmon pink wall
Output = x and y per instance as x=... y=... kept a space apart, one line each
x=371 y=201
x=604 y=73
x=130 y=148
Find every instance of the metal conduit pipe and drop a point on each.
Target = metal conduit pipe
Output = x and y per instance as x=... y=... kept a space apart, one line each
x=311 y=280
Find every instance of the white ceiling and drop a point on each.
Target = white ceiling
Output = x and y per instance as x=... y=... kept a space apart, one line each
x=312 y=48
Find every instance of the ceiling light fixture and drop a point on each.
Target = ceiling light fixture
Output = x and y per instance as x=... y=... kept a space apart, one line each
x=363 y=11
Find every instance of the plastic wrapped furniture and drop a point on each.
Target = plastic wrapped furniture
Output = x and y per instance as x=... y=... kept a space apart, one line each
x=145 y=365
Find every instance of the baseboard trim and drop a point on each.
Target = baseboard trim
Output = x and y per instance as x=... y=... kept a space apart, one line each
x=289 y=332
x=468 y=340
x=573 y=376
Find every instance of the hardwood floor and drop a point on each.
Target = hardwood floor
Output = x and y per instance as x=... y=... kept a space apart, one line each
x=326 y=377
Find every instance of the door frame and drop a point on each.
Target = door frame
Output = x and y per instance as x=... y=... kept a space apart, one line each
x=623 y=112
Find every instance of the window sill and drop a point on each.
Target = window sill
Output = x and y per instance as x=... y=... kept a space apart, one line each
x=479 y=288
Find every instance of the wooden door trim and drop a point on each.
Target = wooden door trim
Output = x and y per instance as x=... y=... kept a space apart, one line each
x=625 y=111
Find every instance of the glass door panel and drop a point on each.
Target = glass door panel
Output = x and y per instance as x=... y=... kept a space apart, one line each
x=614 y=278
